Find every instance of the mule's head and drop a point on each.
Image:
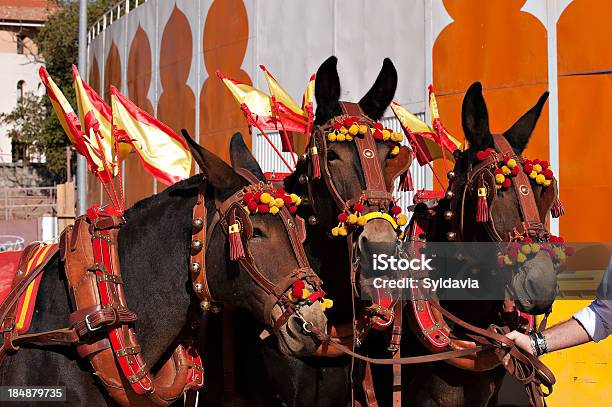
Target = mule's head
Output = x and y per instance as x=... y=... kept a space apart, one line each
x=273 y=253
x=343 y=180
x=534 y=284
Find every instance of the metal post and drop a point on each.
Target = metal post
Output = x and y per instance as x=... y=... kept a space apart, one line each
x=81 y=163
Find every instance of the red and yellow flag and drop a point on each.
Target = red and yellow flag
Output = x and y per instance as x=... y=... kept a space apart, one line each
x=163 y=153
x=422 y=138
x=444 y=138
x=256 y=105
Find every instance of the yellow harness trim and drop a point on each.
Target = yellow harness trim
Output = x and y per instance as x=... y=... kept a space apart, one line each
x=28 y=294
x=380 y=215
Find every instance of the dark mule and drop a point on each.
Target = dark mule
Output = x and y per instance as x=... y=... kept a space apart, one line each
x=533 y=286
x=154 y=250
x=326 y=381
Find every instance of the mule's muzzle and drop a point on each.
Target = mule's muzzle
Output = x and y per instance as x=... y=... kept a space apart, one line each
x=534 y=285
x=378 y=237
x=295 y=338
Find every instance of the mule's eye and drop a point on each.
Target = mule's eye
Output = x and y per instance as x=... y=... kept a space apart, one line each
x=258 y=233
x=332 y=156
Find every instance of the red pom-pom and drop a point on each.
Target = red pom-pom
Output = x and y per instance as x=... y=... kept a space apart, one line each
x=554 y=239
x=498 y=171
x=248 y=196
x=481 y=155
x=526 y=161
x=544 y=164
x=396 y=210
x=292 y=209
x=514 y=171
x=358 y=207
x=378 y=135
x=535 y=161
x=548 y=174
x=512 y=252
x=263 y=208
x=507 y=183
x=343 y=217
x=378 y=126
x=528 y=239
x=287 y=199
x=528 y=167
x=257 y=196
x=337 y=126
x=252 y=205
x=297 y=289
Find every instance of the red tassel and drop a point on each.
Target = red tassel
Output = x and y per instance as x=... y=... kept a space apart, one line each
x=482 y=209
x=405 y=183
x=316 y=164
x=557 y=208
x=235 y=239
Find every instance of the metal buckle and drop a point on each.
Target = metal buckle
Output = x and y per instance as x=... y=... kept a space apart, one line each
x=235 y=228
x=88 y=323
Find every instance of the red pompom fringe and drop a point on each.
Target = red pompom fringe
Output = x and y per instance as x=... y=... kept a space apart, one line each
x=235 y=239
x=482 y=210
x=406 y=181
x=557 y=208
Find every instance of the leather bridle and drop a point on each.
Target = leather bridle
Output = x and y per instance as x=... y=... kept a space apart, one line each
x=232 y=217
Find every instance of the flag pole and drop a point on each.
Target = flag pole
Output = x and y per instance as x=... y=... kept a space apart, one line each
x=81 y=177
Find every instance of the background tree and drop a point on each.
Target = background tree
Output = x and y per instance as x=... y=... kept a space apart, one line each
x=33 y=121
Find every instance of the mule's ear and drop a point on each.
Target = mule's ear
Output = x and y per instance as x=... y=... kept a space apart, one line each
x=381 y=93
x=218 y=174
x=327 y=91
x=241 y=157
x=475 y=118
x=518 y=135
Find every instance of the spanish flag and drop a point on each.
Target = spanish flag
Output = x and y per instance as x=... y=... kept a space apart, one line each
x=70 y=121
x=162 y=152
x=256 y=105
x=444 y=138
x=424 y=140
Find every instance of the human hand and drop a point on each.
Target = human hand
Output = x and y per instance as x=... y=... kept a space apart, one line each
x=521 y=341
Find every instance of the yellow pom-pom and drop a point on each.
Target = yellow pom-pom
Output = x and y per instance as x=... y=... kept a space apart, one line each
x=299 y=201
x=363 y=129
x=540 y=179
x=361 y=221
x=526 y=248
x=279 y=202
x=274 y=210
x=535 y=248
x=506 y=170
x=342 y=230
x=305 y=293
x=533 y=174
x=326 y=303
x=294 y=198
x=353 y=130
x=332 y=136
x=507 y=260
x=395 y=150
x=335 y=231
x=547 y=182
x=537 y=168
x=349 y=137
x=521 y=257
x=352 y=219
x=402 y=219
x=397 y=137
x=386 y=134
x=343 y=130
x=511 y=163
x=499 y=178
x=265 y=198
x=340 y=137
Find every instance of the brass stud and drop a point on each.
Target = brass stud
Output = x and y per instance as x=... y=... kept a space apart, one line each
x=448 y=215
x=451 y=236
x=303 y=157
x=196 y=245
x=303 y=179
x=449 y=194
x=195 y=267
x=312 y=220
x=197 y=224
x=450 y=175
x=205 y=305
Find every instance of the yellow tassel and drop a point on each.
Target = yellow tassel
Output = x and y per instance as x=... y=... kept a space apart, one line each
x=353 y=130
x=363 y=129
x=279 y=202
x=386 y=134
x=511 y=163
x=343 y=130
x=402 y=219
x=343 y=231
x=540 y=179
x=533 y=174
x=331 y=136
x=362 y=220
x=499 y=178
x=506 y=170
x=335 y=231
x=352 y=219
x=340 y=137
x=294 y=198
x=274 y=210
x=265 y=198
x=537 y=168
x=349 y=137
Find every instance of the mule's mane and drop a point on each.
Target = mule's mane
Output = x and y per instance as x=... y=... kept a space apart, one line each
x=184 y=187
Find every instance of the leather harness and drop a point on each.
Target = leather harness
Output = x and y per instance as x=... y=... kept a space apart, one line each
x=89 y=250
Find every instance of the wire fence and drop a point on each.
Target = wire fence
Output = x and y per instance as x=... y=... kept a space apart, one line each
x=27 y=203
